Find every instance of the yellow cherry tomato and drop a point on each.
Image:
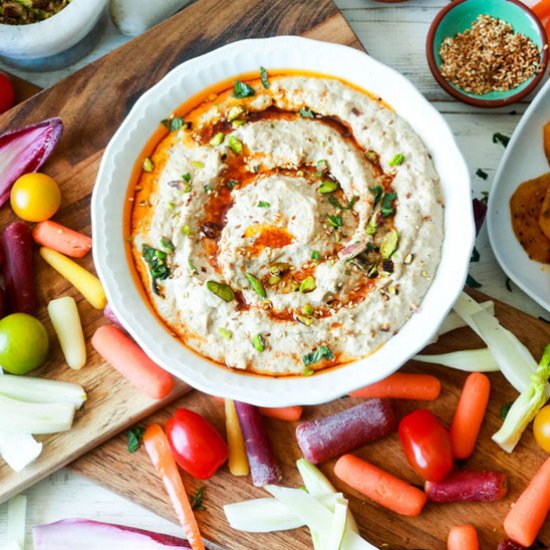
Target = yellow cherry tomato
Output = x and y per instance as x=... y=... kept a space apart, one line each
x=35 y=197
x=541 y=428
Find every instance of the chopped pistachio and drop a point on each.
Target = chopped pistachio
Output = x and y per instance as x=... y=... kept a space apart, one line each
x=186 y=230
x=372 y=155
x=234 y=112
x=371 y=226
x=221 y=290
x=238 y=122
x=171 y=205
x=279 y=268
x=256 y=284
x=308 y=372
x=186 y=187
x=274 y=279
x=197 y=163
x=304 y=319
x=300 y=173
x=308 y=309
x=192 y=266
x=335 y=221
x=389 y=244
x=258 y=342
x=408 y=259
x=397 y=160
x=148 y=165
x=328 y=186
x=167 y=244
x=322 y=166
x=217 y=139
x=235 y=145
x=308 y=285
x=225 y=334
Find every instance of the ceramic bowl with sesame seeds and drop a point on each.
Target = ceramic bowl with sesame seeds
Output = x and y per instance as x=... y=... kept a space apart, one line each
x=393 y=113
x=487 y=53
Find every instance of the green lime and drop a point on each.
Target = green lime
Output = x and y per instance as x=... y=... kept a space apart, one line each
x=23 y=343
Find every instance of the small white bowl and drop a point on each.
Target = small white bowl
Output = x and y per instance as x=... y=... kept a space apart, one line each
x=57 y=41
x=190 y=78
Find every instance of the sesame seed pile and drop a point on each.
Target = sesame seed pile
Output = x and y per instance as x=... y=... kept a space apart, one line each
x=489 y=56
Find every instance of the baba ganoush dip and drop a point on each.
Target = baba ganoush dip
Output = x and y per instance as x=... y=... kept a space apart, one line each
x=286 y=224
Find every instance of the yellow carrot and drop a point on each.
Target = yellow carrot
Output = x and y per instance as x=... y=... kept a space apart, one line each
x=86 y=283
x=66 y=323
x=238 y=461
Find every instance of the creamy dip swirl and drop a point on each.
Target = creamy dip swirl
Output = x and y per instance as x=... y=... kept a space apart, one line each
x=290 y=230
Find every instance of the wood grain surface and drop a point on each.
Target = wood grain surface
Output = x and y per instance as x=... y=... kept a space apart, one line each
x=132 y=475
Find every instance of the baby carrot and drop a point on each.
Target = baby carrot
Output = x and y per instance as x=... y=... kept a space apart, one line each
x=86 y=283
x=290 y=414
x=525 y=519
x=237 y=461
x=380 y=486
x=157 y=447
x=61 y=238
x=469 y=414
x=401 y=385
x=463 y=537
x=126 y=357
x=542 y=9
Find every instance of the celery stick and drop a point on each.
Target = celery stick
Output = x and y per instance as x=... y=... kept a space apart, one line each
x=19 y=450
x=17 y=507
x=471 y=360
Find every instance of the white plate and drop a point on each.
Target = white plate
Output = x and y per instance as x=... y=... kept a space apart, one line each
x=193 y=76
x=523 y=160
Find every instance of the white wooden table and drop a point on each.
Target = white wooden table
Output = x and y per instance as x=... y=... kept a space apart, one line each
x=395 y=34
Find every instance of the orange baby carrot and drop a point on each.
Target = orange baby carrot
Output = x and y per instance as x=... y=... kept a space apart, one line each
x=380 y=486
x=290 y=414
x=126 y=357
x=542 y=9
x=401 y=385
x=469 y=414
x=463 y=537
x=157 y=447
x=525 y=519
x=58 y=237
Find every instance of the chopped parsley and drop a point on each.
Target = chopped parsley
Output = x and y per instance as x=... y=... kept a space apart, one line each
x=135 y=437
x=173 y=124
x=335 y=221
x=258 y=342
x=337 y=204
x=315 y=255
x=242 y=89
x=186 y=177
x=481 y=174
x=196 y=501
x=377 y=191
x=397 y=160
x=306 y=112
x=156 y=260
x=501 y=138
x=263 y=75
x=231 y=183
x=387 y=208
x=322 y=352
x=263 y=204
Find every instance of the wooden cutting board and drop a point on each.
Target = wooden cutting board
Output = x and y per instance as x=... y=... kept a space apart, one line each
x=92 y=104
x=132 y=475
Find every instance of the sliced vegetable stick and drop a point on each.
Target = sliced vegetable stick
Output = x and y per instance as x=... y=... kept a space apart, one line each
x=126 y=357
x=380 y=486
x=542 y=9
x=463 y=537
x=86 y=283
x=157 y=447
x=237 y=461
x=66 y=323
x=468 y=486
x=525 y=519
x=469 y=414
x=469 y=360
x=19 y=449
x=58 y=237
x=400 y=385
x=17 y=513
x=290 y=414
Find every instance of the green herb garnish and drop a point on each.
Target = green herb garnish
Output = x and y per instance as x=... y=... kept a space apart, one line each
x=304 y=319
x=156 y=260
x=335 y=221
x=225 y=334
x=328 y=186
x=258 y=342
x=389 y=244
x=235 y=145
x=167 y=244
x=186 y=230
x=192 y=266
x=256 y=284
x=306 y=112
x=315 y=255
x=217 y=139
x=148 y=165
x=263 y=75
x=231 y=183
x=501 y=138
x=337 y=204
x=173 y=124
x=135 y=437
x=377 y=191
x=308 y=285
x=397 y=160
x=196 y=501
x=387 y=208
x=221 y=290
x=263 y=204
x=308 y=309
x=322 y=352
x=242 y=89
x=186 y=177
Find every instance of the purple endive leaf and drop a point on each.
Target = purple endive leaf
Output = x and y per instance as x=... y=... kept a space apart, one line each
x=480 y=211
x=69 y=534
x=25 y=150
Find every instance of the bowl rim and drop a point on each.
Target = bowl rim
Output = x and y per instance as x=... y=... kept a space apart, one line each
x=279 y=52
x=475 y=101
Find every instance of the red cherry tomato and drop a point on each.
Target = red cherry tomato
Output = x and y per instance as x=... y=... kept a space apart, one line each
x=198 y=448
x=7 y=96
x=426 y=444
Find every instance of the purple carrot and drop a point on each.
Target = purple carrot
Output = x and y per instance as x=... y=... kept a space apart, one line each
x=263 y=464
x=331 y=436
x=509 y=545
x=69 y=534
x=16 y=247
x=25 y=150
x=468 y=486
x=480 y=211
